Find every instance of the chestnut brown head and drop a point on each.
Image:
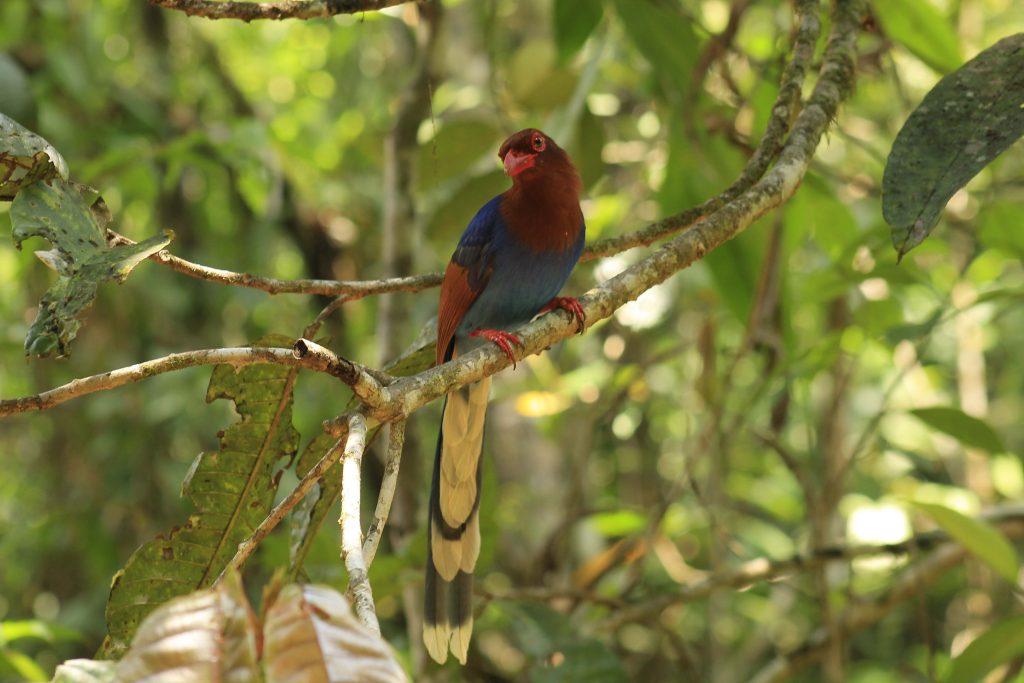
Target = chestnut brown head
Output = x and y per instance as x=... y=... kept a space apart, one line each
x=532 y=149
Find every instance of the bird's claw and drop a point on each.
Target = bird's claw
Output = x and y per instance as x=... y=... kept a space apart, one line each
x=571 y=304
x=503 y=340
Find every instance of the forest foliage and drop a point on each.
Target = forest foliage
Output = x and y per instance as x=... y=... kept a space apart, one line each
x=798 y=459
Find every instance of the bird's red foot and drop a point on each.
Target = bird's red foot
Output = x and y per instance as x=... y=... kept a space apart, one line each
x=503 y=340
x=571 y=304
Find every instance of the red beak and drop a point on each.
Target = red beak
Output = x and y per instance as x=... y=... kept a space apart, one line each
x=517 y=162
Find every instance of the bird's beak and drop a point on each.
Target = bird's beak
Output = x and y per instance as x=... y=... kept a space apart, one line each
x=516 y=162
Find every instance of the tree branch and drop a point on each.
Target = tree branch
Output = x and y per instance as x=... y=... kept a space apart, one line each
x=350 y=290
x=396 y=439
x=351 y=530
x=282 y=9
x=305 y=354
x=367 y=385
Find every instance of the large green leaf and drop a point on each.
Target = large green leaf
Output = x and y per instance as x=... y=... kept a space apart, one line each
x=965 y=428
x=979 y=537
x=73 y=218
x=232 y=489
x=965 y=122
x=665 y=37
x=1001 y=643
x=311 y=636
x=25 y=158
x=206 y=636
x=574 y=21
x=23 y=665
x=918 y=26
x=457 y=146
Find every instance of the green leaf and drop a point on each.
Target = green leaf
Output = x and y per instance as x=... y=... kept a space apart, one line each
x=455 y=212
x=918 y=26
x=619 y=522
x=37 y=630
x=73 y=218
x=1001 y=643
x=979 y=537
x=25 y=158
x=22 y=664
x=310 y=634
x=968 y=430
x=574 y=21
x=534 y=78
x=966 y=121
x=232 y=490
x=458 y=145
x=665 y=37
x=206 y=636
x=85 y=671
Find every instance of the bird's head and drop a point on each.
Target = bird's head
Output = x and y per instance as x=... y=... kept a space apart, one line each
x=529 y=152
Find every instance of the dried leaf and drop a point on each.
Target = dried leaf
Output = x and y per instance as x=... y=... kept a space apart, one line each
x=311 y=636
x=206 y=636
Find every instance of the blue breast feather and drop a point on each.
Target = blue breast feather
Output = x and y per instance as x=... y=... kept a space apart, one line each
x=521 y=280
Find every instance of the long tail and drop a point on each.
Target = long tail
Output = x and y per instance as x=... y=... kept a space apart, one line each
x=453 y=542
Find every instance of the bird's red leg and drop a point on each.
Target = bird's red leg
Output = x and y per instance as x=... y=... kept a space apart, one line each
x=503 y=340
x=571 y=304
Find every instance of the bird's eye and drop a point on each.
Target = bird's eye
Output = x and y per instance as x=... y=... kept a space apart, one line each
x=538 y=143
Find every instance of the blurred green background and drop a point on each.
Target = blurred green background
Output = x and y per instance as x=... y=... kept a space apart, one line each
x=667 y=443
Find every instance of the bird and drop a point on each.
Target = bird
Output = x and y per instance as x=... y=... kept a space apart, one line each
x=510 y=265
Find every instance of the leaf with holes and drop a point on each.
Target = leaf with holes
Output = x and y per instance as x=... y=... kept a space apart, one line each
x=73 y=218
x=25 y=158
x=232 y=490
x=310 y=635
x=965 y=122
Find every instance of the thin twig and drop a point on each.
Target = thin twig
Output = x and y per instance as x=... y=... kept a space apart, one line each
x=351 y=529
x=350 y=290
x=249 y=545
x=396 y=439
x=281 y=9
